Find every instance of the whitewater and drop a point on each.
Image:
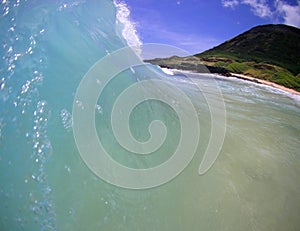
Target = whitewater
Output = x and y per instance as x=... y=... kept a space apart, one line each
x=50 y=50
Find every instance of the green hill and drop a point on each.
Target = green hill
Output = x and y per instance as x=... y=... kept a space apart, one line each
x=271 y=44
x=269 y=52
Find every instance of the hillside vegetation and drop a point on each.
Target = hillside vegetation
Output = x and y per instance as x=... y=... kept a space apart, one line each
x=269 y=52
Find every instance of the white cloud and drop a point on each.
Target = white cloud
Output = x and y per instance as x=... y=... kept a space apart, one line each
x=230 y=3
x=259 y=7
x=289 y=13
x=279 y=12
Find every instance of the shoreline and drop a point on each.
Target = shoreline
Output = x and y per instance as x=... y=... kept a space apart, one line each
x=265 y=82
x=242 y=77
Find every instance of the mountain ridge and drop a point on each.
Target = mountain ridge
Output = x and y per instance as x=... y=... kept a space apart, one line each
x=270 y=52
x=264 y=43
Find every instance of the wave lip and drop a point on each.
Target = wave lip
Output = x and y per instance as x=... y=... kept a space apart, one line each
x=128 y=29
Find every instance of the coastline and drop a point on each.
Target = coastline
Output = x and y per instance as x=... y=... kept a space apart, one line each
x=242 y=77
x=265 y=82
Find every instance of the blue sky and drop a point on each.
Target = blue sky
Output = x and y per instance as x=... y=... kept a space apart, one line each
x=197 y=25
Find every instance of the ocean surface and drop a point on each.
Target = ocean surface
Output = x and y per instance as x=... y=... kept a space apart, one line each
x=47 y=47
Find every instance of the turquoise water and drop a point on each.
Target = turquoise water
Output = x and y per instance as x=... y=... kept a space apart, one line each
x=46 y=49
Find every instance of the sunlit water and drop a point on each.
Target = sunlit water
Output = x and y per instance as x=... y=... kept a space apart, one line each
x=46 y=48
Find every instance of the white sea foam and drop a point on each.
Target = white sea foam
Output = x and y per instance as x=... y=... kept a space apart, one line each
x=129 y=31
x=268 y=88
x=167 y=71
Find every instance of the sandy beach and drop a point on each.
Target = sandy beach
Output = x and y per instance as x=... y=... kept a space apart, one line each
x=268 y=83
x=244 y=77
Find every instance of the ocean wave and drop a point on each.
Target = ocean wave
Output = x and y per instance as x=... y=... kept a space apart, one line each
x=128 y=28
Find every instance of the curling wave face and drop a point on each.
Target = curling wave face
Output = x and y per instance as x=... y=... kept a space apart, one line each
x=47 y=47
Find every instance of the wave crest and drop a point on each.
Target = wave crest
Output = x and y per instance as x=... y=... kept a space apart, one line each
x=129 y=32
